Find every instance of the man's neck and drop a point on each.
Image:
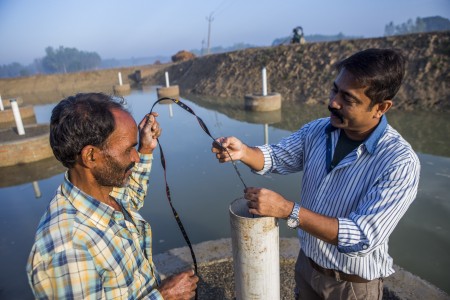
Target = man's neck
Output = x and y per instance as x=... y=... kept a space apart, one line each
x=87 y=183
x=360 y=135
x=357 y=135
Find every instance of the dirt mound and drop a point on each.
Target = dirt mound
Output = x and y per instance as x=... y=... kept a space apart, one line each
x=305 y=73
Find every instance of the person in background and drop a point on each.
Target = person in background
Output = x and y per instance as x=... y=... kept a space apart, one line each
x=92 y=242
x=359 y=178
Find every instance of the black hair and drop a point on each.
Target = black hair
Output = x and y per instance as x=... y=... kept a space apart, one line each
x=80 y=120
x=381 y=70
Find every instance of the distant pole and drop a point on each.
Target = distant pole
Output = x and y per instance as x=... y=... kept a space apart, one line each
x=1 y=103
x=203 y=48
x=209 y=19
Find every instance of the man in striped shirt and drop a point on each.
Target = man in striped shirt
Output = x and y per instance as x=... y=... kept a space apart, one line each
x=92 y=243
x=360 y=176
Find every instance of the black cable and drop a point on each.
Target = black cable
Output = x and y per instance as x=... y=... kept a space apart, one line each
x=163 y=163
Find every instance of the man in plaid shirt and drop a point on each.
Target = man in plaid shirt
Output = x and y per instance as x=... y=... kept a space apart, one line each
x=91 y=242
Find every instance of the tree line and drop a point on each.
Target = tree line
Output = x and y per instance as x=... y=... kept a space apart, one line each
x=427 y=24
x=56 y=60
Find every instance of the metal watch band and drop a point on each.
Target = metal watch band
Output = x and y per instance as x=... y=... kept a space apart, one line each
x=295 y=211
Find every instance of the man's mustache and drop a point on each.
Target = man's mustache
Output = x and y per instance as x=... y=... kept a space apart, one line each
x=336 y=113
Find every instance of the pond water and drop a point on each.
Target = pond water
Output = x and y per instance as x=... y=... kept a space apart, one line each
x=202 y=189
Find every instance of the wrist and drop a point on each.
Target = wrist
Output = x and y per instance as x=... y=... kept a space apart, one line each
x=145 y=150
x=288 y=209
x=293 y=221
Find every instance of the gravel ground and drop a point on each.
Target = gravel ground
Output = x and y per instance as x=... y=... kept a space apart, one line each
x=215 y=269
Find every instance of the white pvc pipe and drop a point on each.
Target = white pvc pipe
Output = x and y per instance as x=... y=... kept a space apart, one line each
x=167 y=79
x=264 y=81
x=256 y=254
x=1 y=104
x=17 y=117
x=120 y=78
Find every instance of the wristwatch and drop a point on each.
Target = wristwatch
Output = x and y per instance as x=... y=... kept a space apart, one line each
x=293 y=220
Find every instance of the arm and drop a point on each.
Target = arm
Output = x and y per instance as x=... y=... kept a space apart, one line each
x=73 y=274
x=367 y=227
x=284 y=158
x=66 y=274
x=269 y=203
x=380 y=210
x=179 y=287
x=226 y=146
x=149 y=131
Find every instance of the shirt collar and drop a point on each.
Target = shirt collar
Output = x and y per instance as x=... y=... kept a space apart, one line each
x=94 y=210
x=372 y=141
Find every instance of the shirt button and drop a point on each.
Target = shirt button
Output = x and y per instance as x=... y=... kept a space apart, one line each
x=365 y=247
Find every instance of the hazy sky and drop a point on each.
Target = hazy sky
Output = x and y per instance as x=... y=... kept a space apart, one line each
x=140 y=28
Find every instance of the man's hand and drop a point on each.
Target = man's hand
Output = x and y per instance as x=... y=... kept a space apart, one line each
x=265 y=202
x=225 y=147
x=179 y=287
x=234 y=146
x=149 y=131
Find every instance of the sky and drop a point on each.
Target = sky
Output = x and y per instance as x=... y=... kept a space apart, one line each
x=142 y=28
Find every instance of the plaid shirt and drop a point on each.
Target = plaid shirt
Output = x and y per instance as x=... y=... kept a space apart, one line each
x=85 y=249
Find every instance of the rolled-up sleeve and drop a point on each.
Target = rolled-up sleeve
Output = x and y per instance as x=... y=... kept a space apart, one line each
x=381 y=209
x=286 y=157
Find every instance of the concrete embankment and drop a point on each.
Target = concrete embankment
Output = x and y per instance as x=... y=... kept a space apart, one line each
x=305 y=73
x=41 y=89
x=215 y=262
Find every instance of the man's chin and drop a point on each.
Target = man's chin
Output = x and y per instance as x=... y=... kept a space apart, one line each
x=125 y=182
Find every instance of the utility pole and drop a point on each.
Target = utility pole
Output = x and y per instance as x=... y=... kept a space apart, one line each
x=202 y=52
x=209 y=19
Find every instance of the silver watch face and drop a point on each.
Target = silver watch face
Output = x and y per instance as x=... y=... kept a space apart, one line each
x=292 y=222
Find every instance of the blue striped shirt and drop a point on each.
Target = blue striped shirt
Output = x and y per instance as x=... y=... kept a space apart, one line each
x=368 y=192
x=84 y=249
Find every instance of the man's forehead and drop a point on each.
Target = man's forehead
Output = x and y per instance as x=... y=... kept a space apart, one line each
x=125 y=126
x=347 y=79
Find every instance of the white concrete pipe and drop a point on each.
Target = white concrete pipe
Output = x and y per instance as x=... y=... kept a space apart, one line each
x=256 y=254
x=1 y=104
x=17 y=117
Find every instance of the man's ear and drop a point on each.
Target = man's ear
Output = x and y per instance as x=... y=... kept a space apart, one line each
x=88 y=156
x=382 y=108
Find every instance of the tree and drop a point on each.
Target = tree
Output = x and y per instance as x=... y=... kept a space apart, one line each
x=63 y=60
x=13 y=70
x=419 y=25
